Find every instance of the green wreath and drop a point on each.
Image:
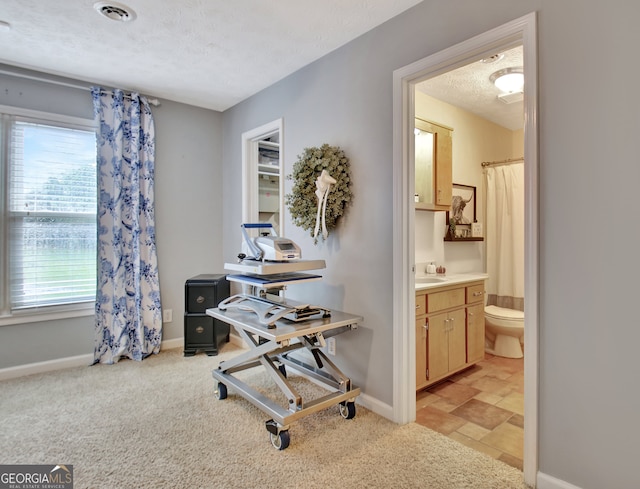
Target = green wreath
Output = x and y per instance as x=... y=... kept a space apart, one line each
x=303 y=202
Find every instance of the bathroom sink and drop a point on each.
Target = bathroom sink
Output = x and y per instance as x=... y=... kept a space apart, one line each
x=430 y=280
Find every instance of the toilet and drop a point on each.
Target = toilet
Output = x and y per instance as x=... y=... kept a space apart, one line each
x=504 y=331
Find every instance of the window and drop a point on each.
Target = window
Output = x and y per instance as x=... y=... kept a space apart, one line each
x=48 y=213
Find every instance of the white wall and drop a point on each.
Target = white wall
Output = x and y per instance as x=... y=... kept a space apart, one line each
x=188 y=214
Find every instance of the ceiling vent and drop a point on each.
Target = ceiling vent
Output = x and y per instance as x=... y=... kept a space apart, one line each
x=511 y=98
x=115 y=11
x=492 y=59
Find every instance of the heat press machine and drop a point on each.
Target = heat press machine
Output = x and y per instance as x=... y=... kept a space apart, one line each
x=267 y=247
x=269 y=264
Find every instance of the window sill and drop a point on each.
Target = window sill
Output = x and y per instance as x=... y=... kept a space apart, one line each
x=48 y=314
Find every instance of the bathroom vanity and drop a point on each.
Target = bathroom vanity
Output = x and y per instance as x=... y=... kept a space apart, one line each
x=449 y=326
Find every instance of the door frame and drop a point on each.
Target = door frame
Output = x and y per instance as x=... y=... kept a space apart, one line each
x=519 y=31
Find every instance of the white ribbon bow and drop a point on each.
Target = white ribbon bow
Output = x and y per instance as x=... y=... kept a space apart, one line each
x=323 y=185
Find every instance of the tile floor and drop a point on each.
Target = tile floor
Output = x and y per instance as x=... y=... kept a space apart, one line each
x=481 y=407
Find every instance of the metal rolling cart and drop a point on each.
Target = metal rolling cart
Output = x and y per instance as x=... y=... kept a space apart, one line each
x=274 y=328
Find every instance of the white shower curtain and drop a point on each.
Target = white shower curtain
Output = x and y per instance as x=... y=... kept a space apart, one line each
x=505 y=235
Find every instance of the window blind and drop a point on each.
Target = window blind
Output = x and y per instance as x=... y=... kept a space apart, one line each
x=52 y=214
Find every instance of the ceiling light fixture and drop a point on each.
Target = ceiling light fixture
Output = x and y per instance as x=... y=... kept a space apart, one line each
x=115 y=11
x=509 y=80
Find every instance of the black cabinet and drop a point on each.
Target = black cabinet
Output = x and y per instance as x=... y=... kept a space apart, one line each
x=202 y=332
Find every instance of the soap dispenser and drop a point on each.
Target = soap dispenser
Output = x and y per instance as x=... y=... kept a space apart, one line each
x=431 y=268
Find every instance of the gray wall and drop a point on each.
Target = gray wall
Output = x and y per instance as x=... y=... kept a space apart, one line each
x=188 y=213
x=589 y=172
x=189 y=201
x=588 y=118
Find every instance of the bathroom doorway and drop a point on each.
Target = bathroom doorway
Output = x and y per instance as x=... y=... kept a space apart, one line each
x=480 y=403
x=519 y=32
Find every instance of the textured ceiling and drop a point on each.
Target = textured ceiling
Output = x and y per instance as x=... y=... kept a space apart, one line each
x=469 y=88
x=208 y=53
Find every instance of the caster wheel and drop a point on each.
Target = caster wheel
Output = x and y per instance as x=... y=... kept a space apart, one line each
x=281 y=440
x=221 y=391
x=348 y=410
x=283 y=370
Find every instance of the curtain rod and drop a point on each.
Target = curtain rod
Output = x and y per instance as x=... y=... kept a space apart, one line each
x=152 y=101
x=501 y=162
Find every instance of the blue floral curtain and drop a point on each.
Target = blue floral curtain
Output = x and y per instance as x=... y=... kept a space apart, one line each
x=128 y=308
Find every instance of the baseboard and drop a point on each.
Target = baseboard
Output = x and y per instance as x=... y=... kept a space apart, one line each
x=375 y=405
x=545 y=481
x=48 y=366
x=67 y=362
x=174 y=343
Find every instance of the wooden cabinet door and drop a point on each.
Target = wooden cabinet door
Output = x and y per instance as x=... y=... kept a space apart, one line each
x=438 y=345
x=443 y=164
x=433 y=165
x=457 y=340
x=475 y=333
x=421 y=352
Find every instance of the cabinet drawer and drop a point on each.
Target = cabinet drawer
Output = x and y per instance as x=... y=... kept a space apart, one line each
x=447 y=299
x=198 y=330
x=205 y=291
x=200 y=298
x=475 y=293
x=421 y=304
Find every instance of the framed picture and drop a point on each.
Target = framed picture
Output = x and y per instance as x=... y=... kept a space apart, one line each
x=463 y=205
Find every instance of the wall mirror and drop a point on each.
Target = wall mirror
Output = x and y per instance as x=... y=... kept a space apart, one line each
x=262 y=175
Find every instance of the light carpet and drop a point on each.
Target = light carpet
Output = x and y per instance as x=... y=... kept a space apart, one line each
x=157 y=424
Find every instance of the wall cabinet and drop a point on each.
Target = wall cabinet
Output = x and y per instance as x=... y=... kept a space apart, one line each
x=433 y=166
x=449 y=331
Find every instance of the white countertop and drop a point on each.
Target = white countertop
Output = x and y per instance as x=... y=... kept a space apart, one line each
x=449 y=279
